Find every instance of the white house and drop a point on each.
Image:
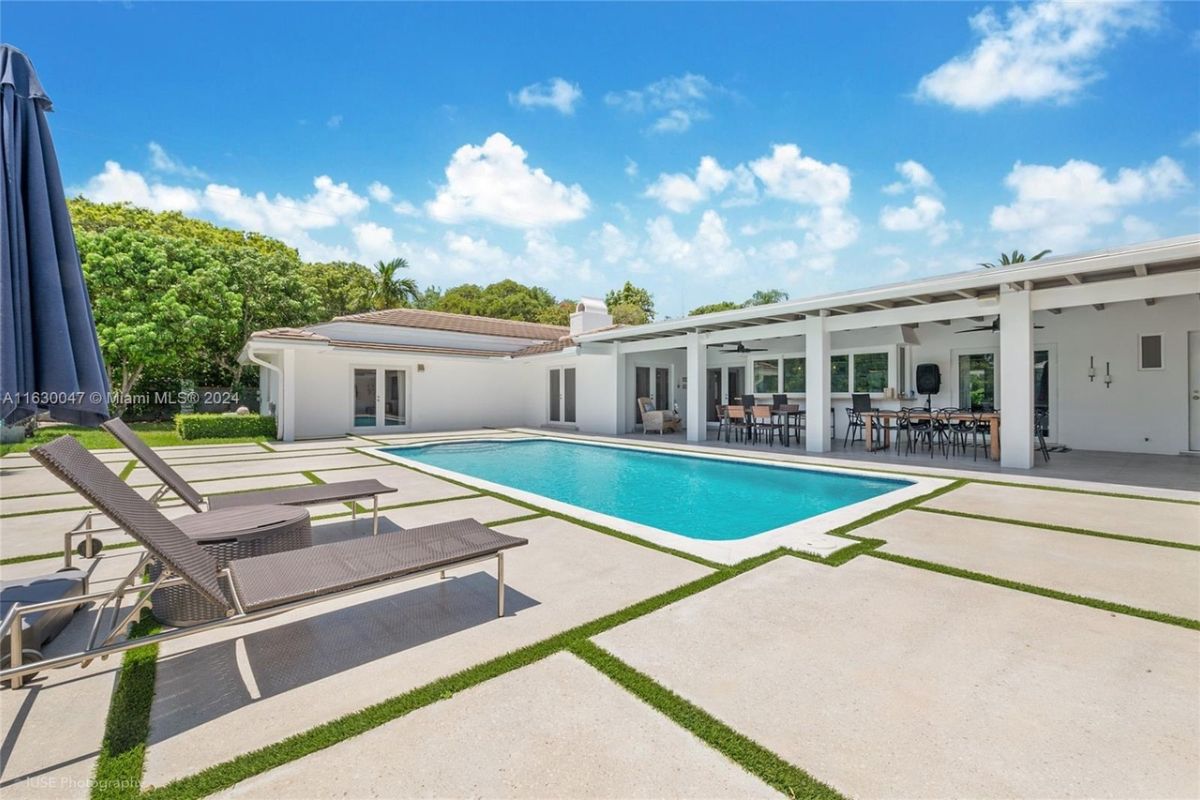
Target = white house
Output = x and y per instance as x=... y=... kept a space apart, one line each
x=1107 y=342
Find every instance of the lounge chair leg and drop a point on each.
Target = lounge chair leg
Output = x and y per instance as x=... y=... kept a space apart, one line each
x=499 y=584
x=353 y=509
x=375 y=511
x=15 y=653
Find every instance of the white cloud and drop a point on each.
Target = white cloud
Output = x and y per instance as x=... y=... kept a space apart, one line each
x=926 y=213
x=1044 y=51
x=492 y=182
x=788 y=175
x=710 y=251
x=1193 y=139
x=117 y=185
x=380 y=192
x=631 y=167
x=1058 y=207
x=329 y=205
x=915 y=176
x=374 y=242
x=406 y=209
x=162 y=161
x=680 y=192
x=555 y=93
x=830 y=228
x=678 y=101
x=614 y=245
x=334 y=122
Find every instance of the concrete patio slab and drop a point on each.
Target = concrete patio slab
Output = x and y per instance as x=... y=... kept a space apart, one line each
x=889 y=681
x=224 y=485
x=1148 y=576
x=340 y=443
x=52 y=728
x=1173 y=522
x=222 y=693
x=556 y=728
x=41 y=502
x=43 y=533
x=410 y=486
x=257 y=466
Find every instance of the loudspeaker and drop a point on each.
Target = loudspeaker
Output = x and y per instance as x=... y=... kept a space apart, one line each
x=929 y=379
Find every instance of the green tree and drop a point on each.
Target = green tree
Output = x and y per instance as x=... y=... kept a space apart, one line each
x=462 y=299
x=505 y=299
x=765 y=297
x=392 y=290
x=724 y=305
x=628 y=314
x=340 y=287
x=1017 y=257
x=157 y=300
x=429 y=298
x=631 y=295
x=557 y=314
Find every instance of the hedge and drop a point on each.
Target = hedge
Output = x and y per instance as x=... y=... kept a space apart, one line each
x=223 y=426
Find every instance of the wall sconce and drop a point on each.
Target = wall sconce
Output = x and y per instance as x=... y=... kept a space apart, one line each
x=1107 y=375
x=420 y=367
x=1092 y=369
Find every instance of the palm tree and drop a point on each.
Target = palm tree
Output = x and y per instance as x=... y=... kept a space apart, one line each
x=1017 y=257
x=392 y=290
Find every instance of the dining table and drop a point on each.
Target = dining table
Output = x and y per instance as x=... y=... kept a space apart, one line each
x=991 y=418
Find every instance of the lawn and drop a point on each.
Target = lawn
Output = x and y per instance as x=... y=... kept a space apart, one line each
x=155 y=434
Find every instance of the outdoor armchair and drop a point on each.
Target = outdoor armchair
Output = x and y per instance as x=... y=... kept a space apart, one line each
x=245 y=589
x=654 y=420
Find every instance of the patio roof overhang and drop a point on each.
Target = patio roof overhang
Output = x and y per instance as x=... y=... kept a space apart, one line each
x=1146 y=271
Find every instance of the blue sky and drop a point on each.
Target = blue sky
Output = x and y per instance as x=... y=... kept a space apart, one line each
x=703 y=151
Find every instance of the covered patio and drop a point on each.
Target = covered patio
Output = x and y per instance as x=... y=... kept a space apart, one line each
x=1103 y=346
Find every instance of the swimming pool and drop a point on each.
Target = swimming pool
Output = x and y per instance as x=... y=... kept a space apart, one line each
x=704 y=498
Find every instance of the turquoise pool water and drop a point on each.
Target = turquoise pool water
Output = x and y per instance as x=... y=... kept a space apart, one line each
x=700 y=498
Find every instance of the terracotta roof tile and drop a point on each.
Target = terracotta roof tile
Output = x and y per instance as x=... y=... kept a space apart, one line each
x=460 y=323
x=289 y=333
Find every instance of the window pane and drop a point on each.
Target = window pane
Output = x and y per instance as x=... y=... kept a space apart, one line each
x=364 y=398
x=555 y=395
x=793 y=375
x=977 y=381
x=1151 y=352
x=393 y=397
x=569 y=394
x=839 y=373
x=870 y=372
x=766 y=376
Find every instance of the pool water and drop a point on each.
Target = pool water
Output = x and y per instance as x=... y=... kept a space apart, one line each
x=700 y=498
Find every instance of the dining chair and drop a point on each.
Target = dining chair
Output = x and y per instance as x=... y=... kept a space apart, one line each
x=764 y=423
x=1041 y=424
x=736 y=422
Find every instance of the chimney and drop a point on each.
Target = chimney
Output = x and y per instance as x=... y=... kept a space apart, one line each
x=589 y=315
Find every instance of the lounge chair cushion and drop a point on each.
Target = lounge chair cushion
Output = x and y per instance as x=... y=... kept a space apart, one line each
x=42 y=626
x=280 y=578
x=309 y=495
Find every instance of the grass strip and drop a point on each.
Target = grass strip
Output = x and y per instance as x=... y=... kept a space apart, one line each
x=222 y=776
x=742 y=750
x=1103 y=605
x=410 y=504
x=128 y=469
x=1049 y=526
x=513 y=520
x=1095 y=492
x=4 y=562
x=122 y=757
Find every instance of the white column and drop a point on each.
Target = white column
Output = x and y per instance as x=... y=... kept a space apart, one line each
x=697 y=364
x=816 y=388
x=286 y=407
x=1016 y=379
x=618 y=386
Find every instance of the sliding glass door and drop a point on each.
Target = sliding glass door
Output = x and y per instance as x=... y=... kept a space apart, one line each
x=561 y=395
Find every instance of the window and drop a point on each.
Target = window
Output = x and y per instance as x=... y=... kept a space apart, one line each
x=870 y=372
x=793 y=376
x=1150 y=354
x=977 y=381
x=839 y=374
x=766 y=376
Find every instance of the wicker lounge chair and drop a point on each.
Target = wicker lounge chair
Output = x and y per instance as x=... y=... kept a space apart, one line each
x=314 y=494
x=245 y=589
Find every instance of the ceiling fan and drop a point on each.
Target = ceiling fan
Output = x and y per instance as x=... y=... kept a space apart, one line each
x=741 y=348
x=994 y=327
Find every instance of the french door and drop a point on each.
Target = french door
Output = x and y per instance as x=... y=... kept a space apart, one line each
x=380 y=398
x=652 y=382
x=561 y=395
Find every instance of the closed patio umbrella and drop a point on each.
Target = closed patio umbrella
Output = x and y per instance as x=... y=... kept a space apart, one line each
x=49 y=356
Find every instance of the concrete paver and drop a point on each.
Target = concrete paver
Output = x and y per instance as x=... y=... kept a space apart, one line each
x=225 y=692
x=1151 y=519
x=556 y=728
x=889 y=681
x=1148 y=576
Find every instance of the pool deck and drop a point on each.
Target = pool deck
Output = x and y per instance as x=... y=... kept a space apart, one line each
x=1036 y=636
